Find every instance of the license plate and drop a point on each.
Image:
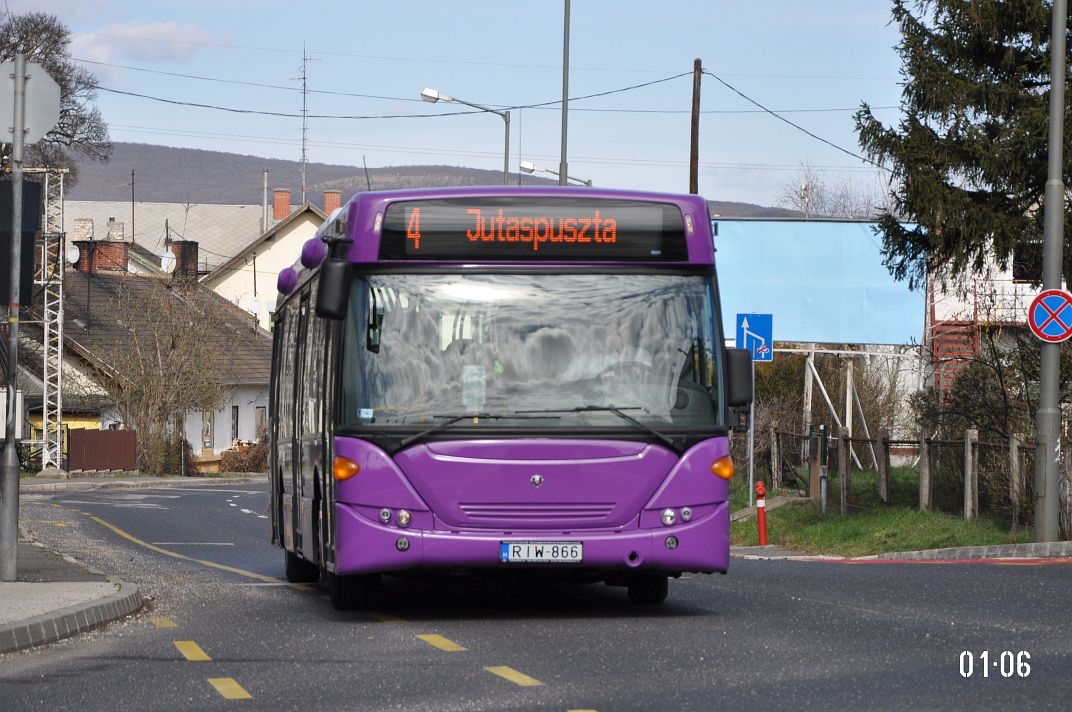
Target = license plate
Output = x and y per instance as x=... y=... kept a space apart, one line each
x=553 y=552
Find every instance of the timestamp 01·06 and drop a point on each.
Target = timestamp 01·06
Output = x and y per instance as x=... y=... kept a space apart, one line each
x=1006 y=663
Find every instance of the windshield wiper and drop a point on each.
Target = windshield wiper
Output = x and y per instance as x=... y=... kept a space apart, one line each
x=618 y=412
x=452 y=418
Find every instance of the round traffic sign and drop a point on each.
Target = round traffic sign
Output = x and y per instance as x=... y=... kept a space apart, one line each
x=1050 y=315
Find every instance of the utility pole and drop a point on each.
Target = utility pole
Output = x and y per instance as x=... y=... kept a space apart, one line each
x=565 y=92
x=304 y=121
x=1048 y=417
x=694 y=150
x=132 y=206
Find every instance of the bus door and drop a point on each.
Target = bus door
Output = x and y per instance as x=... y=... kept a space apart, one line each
x=310 y=426
x=283 y=454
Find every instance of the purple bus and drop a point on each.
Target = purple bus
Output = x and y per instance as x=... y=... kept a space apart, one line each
x=504 y=380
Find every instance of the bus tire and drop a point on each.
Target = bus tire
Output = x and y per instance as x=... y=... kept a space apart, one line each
x=299 y=570
x=350 y=593
x=648 y=589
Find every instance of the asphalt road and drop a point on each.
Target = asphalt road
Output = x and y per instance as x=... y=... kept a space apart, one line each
x=770 y=635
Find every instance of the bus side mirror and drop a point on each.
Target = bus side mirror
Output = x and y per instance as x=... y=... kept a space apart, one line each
x=333 y=290
x=738 y=378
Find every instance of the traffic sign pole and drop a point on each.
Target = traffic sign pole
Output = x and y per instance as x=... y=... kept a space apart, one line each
x=1048 y=418
x=755 y=334
x=9 y=467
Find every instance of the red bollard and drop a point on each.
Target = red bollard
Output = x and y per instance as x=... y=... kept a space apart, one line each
x=761 y=513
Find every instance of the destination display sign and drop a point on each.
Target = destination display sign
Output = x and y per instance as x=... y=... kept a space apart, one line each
x=553 y=229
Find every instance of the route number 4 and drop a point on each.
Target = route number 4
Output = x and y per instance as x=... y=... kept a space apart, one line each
x=413 y=228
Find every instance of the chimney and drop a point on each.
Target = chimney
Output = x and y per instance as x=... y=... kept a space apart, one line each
x=332 y=201
x=185 y=252
x=282 y=203
x=115 y=230
x=101 y=256
x=83 y=229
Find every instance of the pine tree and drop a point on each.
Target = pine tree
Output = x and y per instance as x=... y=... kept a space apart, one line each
x=44 y=40
x=969 y=154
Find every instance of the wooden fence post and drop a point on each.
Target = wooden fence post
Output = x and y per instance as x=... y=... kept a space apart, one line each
x=775 y=457
x=924 y=473
x=1014 y=479
x=884 y=466
x=843 y=470
x=971 y=474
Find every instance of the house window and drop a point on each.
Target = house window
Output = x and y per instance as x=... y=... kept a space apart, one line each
x=1027 y=263
x=208 y=425
x=234 y=423
x=261 y=415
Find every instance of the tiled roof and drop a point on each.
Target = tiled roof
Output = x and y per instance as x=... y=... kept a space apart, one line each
x=221 y=231
x=243 y=351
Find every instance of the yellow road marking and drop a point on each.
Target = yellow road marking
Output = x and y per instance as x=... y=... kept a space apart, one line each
x=229 y=688
x=203 y=562
x=584 y=710
x=54 y=523
x=163 y=622
x=192 y=651
x=386 y=618
x=444 y=644
x=518 y=678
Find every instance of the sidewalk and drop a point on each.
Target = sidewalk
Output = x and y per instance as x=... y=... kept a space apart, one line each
x=1053 y=550
x=54 y=596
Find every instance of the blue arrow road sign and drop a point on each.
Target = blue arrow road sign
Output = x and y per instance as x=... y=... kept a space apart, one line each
x=755 y=332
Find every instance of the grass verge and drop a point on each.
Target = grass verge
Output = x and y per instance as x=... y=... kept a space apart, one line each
x=871 y=527
x=804 y=528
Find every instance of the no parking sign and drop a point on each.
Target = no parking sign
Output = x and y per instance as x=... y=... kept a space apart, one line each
x=1050 y=316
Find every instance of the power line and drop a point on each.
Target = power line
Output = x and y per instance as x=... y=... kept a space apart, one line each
x=798 y=127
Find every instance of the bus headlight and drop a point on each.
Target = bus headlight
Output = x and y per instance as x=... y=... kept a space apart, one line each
x=669 y=517
x=404 y=518
x=385 y=515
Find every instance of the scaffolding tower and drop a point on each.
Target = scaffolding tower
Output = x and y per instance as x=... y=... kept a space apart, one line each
x=48 y=278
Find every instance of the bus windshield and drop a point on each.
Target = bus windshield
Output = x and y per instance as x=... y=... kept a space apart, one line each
x=421 y=349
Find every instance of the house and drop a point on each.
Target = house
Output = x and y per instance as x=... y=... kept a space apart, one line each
x=956 y=313
x=106 y=303
x=248 y=278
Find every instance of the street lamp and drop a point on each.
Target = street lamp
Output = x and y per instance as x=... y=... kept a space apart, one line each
x=431 y=95
x=530 y=167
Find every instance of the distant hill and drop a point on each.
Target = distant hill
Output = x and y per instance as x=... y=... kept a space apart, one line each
x=163 y=174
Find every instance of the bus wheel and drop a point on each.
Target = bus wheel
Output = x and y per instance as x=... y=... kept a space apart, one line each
x=299 y=570
x=648 y=589
x=352 y=592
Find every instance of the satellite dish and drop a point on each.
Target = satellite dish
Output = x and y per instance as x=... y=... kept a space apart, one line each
x=167 y=262
x=72 y=254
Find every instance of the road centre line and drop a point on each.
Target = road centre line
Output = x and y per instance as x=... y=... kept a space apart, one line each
x=192 y=543
x=445 y=644
x=163 y=622
x=518 y=678
x=192 y=651
x=229 y=688
x=203 y=562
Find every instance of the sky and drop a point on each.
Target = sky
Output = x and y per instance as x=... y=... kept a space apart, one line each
x=812 y=61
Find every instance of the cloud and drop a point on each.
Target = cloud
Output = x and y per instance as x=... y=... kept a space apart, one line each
x=144 y=42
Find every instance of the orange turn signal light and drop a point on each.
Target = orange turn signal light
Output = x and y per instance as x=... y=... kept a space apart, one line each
x=723 y=467
x=343 y=468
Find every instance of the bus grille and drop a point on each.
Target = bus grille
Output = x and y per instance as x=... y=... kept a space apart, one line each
x=547 y=514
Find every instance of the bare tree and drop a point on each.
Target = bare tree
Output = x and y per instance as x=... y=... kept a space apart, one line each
x=45 y=40
x=815 y=196
x=163 y=359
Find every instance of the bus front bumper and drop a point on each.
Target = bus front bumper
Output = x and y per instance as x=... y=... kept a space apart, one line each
x=365 y=546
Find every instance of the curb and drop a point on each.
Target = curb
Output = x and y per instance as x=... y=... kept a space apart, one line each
x=65 y=622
